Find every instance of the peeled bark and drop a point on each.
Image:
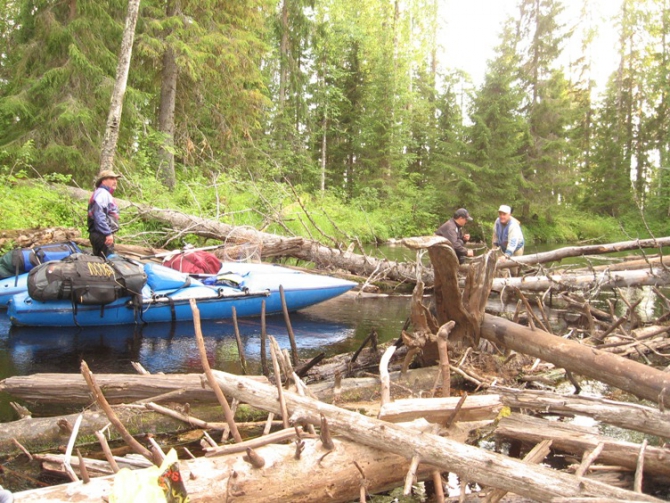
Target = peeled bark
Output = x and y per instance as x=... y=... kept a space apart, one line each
x=318 y=475
x=622 y=414
x=470 y=463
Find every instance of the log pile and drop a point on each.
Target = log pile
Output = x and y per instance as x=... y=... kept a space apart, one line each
x=409 y=430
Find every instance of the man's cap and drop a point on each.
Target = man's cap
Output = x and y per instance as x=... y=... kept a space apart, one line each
x=462 y=212
x=504 y=209
x=104 y=174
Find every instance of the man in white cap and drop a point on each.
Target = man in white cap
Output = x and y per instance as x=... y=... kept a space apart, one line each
x=507 y=233
x=452 y=229
x=103 y=214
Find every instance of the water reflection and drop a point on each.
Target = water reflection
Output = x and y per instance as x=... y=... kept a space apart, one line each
x=162 y=347
x=333 y=327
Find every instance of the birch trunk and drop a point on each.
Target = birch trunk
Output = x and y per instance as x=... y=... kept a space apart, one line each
x=116 y=106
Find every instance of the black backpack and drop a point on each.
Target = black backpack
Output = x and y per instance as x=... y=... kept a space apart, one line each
x=86 y=279
x=20 y=260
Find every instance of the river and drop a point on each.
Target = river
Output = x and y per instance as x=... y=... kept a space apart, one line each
x=336 y=326
x=333 y=327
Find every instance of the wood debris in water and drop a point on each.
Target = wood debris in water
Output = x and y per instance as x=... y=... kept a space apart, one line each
x=409 y=428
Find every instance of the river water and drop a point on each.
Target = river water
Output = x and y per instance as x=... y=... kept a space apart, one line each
x=333 y=327
x=336 y=326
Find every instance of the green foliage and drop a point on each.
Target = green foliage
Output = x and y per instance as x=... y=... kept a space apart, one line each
x=570 y=226
x=336 y=122
x=31 y=205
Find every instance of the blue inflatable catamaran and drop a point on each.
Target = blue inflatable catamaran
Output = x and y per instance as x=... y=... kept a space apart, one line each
x=166 y=296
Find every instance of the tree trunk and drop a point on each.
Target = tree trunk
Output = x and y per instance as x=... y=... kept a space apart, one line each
x=283 y=55
x=169 y=74
x=118 y=388
x=578 y=251
x=116 y=106
x=576 y=440
x=40 y=434
x=46 y=389
x=441 y=410
x=609 y=279
x=640 y=380
x=317 y=475
x=469 y=463
x=622 y=414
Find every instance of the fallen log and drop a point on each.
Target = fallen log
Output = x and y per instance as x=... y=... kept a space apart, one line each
x=578 y=251
x=631 y=264
x=588 y=281
x=118 y=388
x=627 y=415
x=441 y=410
x=576 y=440
x=46 y=389
x=640 y=380
x=270 y=245
x=470 y=463
x=317 y=475
x=39 y=434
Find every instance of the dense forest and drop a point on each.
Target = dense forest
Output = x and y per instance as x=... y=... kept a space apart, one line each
x=343 y=103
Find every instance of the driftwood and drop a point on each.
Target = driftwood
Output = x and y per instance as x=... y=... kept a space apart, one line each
x=631 y=416
x=471 y=463
x=578 y=251
x=631 y=264
x=176 y=388
x=576 y=440
x=442 y=410
x=447 y=294
x=318 y=475
x=36 y=434
x=608 y=279
x=636 y=378
x=118 y=388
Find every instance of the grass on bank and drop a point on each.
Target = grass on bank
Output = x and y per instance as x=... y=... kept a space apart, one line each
x=280 y=209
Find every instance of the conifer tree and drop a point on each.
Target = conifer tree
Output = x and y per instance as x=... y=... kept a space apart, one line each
x=499 y=136
x=58 y=78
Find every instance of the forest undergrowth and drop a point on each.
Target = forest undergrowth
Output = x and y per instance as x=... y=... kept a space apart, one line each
x=280 y=208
